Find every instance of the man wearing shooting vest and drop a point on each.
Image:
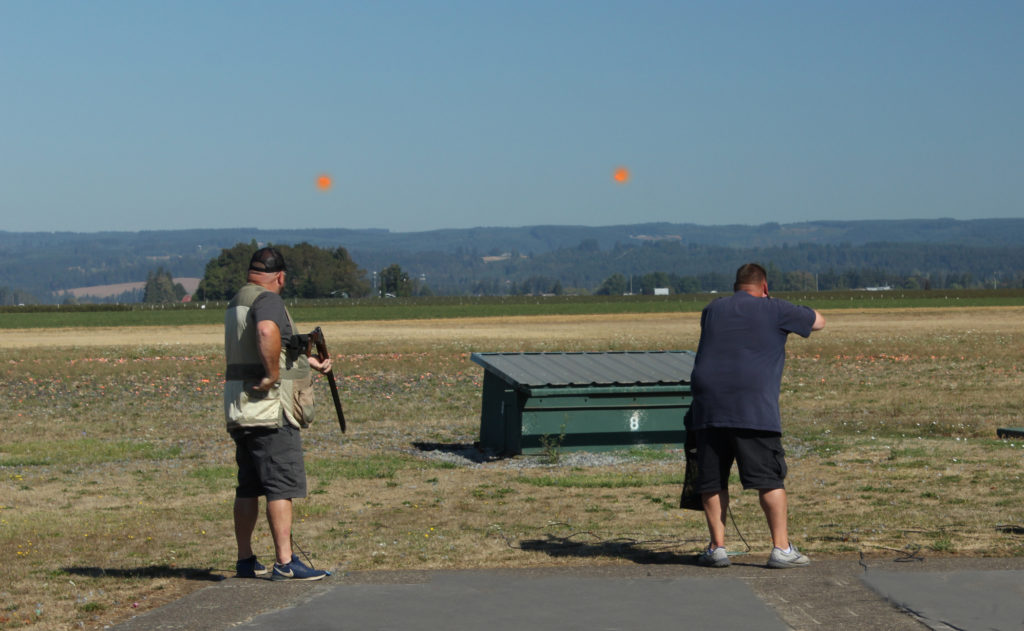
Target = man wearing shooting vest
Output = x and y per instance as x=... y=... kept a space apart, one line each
x=267 y=399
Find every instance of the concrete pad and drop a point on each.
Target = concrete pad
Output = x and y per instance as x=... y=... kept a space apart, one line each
x=838 y=595
x=504 y=601
x=955 y=600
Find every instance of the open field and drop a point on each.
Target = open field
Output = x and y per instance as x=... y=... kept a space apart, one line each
x=116 y=477
x=106 y=291
x=460 y=307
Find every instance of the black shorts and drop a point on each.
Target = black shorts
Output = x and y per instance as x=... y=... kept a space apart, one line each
x=270 y=463
x=758 y=455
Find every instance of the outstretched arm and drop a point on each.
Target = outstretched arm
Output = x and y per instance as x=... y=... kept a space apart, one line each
x=819 y=321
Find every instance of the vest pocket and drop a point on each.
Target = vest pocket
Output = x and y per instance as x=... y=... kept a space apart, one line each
x=301 y=409
x=248 y=407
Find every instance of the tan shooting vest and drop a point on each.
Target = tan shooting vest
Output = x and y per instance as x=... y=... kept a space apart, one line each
x=291 y=400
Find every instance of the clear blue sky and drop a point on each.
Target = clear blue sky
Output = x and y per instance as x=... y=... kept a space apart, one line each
x=138 y=115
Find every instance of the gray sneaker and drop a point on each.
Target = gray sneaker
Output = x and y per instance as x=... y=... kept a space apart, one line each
x=716 y=557
x=782 y=560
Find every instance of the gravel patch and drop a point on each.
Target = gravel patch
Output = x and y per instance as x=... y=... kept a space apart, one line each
x=470 y=456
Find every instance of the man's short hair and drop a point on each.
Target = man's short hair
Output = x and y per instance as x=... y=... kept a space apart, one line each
x=267 y=260
x=749 y=274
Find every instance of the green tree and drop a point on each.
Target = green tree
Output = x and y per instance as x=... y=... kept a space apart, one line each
x=688 y=285
x=395 y=282
x=161 y=288
x=315 y=272
x=655 y=279
x=226 y=273
x=614 y=285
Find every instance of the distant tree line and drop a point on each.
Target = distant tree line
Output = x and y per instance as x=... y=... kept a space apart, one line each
x=316 y=272
x=530 y=286
x=922 y=254
x=797 y=280
x=686 y=268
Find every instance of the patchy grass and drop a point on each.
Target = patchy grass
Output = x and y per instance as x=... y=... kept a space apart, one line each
x=605 y=480
x=116 y=476
x=84 y=451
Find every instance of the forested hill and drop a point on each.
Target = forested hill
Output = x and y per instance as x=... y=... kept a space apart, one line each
x=43 y=264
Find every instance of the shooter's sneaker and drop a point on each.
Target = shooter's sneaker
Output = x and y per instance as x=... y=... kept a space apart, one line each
x=297 y=570
x=781 y=559
x=714 y=557
x=250 y=568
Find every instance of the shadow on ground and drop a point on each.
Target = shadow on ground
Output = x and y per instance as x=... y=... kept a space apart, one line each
x=472 y=453
x=588 y=545
x=152 y=571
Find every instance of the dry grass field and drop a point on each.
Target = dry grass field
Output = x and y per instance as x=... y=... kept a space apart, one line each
x=116 y=476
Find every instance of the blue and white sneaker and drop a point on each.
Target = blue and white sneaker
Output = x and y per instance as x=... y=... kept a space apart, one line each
x=296 y=570
x=250 y=568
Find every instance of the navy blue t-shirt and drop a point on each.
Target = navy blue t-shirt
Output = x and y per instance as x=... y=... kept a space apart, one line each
x=738 y=368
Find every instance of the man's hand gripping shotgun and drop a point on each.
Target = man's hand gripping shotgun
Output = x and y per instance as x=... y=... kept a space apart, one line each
x=316 y=341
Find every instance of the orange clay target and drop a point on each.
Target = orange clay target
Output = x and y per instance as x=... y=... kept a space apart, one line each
x=323 y=182
x=621 y=175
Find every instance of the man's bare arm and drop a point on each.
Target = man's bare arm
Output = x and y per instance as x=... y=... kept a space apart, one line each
x=269 y=343
x=819 y=321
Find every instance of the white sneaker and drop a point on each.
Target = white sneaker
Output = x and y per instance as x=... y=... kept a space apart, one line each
x=782 y=560
x=716 y=557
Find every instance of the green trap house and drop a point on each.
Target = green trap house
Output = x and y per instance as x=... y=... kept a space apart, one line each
x=587 y=401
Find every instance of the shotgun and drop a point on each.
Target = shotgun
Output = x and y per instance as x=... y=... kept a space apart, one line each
x=316 y=340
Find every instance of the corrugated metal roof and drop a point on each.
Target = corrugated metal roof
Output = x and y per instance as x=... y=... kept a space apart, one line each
x=625 y=368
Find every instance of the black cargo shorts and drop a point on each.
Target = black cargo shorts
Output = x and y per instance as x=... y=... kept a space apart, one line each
x=758 y=455
x=270 y=463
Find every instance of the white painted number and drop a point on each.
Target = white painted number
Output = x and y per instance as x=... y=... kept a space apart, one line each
x=634 y=421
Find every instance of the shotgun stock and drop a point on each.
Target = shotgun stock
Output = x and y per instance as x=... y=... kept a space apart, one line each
x=316 y=340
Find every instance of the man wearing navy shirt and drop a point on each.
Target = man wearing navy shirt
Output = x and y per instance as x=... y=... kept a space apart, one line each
x=735 y=413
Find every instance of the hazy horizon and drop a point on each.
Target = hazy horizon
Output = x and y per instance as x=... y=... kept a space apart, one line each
x=516 y=227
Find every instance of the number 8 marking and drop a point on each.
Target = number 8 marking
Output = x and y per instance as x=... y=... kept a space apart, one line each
x=634 y=421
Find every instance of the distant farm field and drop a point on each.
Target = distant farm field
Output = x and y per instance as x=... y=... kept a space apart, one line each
x=116 y=476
